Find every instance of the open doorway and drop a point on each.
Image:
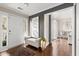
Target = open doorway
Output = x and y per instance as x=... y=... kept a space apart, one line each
x=62 y=31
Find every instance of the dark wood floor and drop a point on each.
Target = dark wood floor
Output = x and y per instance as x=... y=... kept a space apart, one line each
x=59 y=47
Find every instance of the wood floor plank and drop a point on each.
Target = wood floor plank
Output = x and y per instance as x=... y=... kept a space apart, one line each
x=59 y=47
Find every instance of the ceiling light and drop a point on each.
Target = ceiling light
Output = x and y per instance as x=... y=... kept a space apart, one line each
x=19 y=8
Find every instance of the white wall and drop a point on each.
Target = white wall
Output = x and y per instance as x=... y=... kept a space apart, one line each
x=16 y=26
x=26 y=19
x=46 y=27
x=54 y=28
x=77 y=32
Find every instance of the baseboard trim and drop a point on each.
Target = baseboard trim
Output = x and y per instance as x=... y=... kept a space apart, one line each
x=16 y=46
x=12 y=47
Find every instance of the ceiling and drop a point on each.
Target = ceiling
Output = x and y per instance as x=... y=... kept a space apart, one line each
x=29 y=8
x=66 y=14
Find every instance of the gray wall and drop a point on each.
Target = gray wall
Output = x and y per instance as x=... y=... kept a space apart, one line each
x=29 y=26
x=41 y=25
x=49 y=28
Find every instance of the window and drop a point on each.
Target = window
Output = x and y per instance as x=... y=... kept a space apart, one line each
x=34 y=27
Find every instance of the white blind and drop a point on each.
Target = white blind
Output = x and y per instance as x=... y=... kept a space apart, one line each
x=34 y=27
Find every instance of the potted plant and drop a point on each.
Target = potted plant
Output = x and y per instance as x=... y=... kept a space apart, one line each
x=42 y=42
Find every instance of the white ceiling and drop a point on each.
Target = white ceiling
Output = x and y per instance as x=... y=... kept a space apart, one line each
x=31 y=9
x=65 y=14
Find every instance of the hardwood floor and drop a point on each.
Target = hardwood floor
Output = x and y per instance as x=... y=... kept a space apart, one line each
x=59 y=47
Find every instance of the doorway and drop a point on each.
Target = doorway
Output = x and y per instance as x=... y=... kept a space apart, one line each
x=62 y=31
